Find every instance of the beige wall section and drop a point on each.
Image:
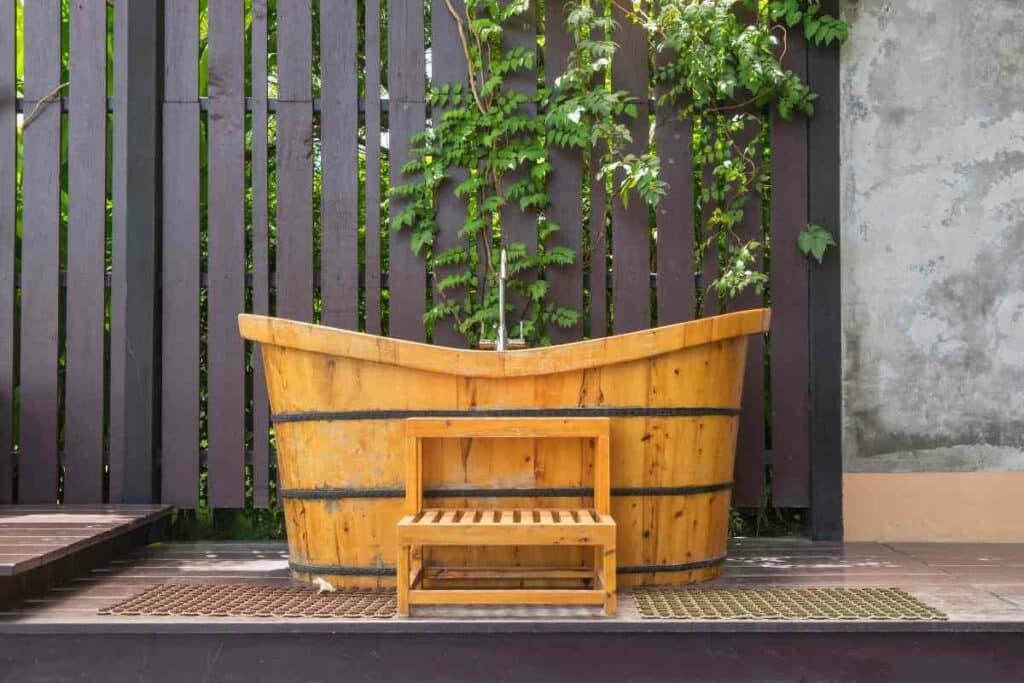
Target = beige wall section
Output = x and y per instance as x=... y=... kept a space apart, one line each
x=974 y=507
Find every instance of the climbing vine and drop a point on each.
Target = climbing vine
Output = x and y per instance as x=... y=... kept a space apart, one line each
x=719 y=65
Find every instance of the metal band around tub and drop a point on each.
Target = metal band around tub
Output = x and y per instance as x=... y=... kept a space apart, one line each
x=341 y=570
x=598 y=411
x=567 y=492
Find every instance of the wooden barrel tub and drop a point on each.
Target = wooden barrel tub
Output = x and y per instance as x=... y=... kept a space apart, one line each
x=338 y=399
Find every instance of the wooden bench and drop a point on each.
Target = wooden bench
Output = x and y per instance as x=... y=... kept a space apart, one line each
x=487 y=526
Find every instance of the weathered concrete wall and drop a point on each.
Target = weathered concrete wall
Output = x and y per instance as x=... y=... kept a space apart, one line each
x=933 y=235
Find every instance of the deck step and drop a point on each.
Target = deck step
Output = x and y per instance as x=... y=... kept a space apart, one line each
x=42 y=545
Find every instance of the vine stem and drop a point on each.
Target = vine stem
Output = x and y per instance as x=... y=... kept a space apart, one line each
x=42 y=104
x=465 y=51
x=644 y=18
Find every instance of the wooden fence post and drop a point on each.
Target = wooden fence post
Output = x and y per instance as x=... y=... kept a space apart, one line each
x=825 y=295
x=136 y=192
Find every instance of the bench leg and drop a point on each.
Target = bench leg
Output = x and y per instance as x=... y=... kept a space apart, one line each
x=608 y=568
x=402 y=580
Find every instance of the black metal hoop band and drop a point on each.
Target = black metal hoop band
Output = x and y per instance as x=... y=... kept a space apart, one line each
x=566 y=492
x=600 y=411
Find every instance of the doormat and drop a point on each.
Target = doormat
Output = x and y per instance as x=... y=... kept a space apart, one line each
x=782 y=604
x=254 y=600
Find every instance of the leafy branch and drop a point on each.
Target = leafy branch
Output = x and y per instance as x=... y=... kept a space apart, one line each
x=719 y=64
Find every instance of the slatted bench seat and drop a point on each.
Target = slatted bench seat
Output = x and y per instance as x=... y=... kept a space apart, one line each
x=520 y=527
x=530 y=526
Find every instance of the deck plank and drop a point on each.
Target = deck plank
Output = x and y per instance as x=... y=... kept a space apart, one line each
x=32 y=536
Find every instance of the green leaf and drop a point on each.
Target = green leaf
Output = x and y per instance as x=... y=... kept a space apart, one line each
x=814 y=240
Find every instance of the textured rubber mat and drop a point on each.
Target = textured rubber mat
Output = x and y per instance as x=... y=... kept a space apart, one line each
x=782 y=604
x=254 y=600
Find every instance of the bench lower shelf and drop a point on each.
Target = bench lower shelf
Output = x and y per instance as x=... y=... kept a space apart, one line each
x=413 y=576
x=512 y=596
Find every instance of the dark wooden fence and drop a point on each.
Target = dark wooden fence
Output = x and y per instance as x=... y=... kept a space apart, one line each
x=122 y=376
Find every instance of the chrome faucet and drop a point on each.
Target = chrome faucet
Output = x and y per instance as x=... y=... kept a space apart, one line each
x=503 y=342
x=502 y=276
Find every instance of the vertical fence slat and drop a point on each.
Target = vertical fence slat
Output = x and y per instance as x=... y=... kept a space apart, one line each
x=631 y=270
x=748 y=487
x=597 y=277
x=339 y=121
x=372 y=261
x=790 y=376
x=40 y=257
x=709 y=268
x=119 y=163
x=179 y=421
x=137 y=34
x=8 y=140
x=598 y=248
x=83 y=413
x=294 y=271
x=517 y=226
x=406 y=116
x=180 y=326
x=260 y=253
x=565 y=186
x=448 y=66
x=226 y=271
x=676 y=288
x=749 y=478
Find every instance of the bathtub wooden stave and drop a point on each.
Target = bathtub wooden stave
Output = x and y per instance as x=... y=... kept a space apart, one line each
x=673 y=394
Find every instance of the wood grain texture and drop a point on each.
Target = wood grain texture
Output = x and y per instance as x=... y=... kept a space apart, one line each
x=260 y=252
x=86 y=246
x=449 y=66
x=40 y=258
x=548 y=360
x=294 y=264
x=181 y=258
x=339 y=128
x=631 y=247
x=225 y=359
x=407 y=116
x=565 y=187
x=373 y=264
x=8 y=157
x=790 y=371
x=698 y=363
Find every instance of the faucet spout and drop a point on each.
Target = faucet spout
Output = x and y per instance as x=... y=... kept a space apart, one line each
x=502 y=276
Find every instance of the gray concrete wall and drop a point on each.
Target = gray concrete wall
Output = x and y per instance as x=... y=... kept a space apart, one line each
x=933 y=235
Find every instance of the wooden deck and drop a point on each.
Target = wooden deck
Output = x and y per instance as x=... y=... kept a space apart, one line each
x=980 y=587
x=43 y=545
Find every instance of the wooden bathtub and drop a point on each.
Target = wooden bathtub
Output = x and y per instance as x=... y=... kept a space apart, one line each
x=338 y=399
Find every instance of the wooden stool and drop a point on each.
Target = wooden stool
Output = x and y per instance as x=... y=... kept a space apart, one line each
x=487 y=526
